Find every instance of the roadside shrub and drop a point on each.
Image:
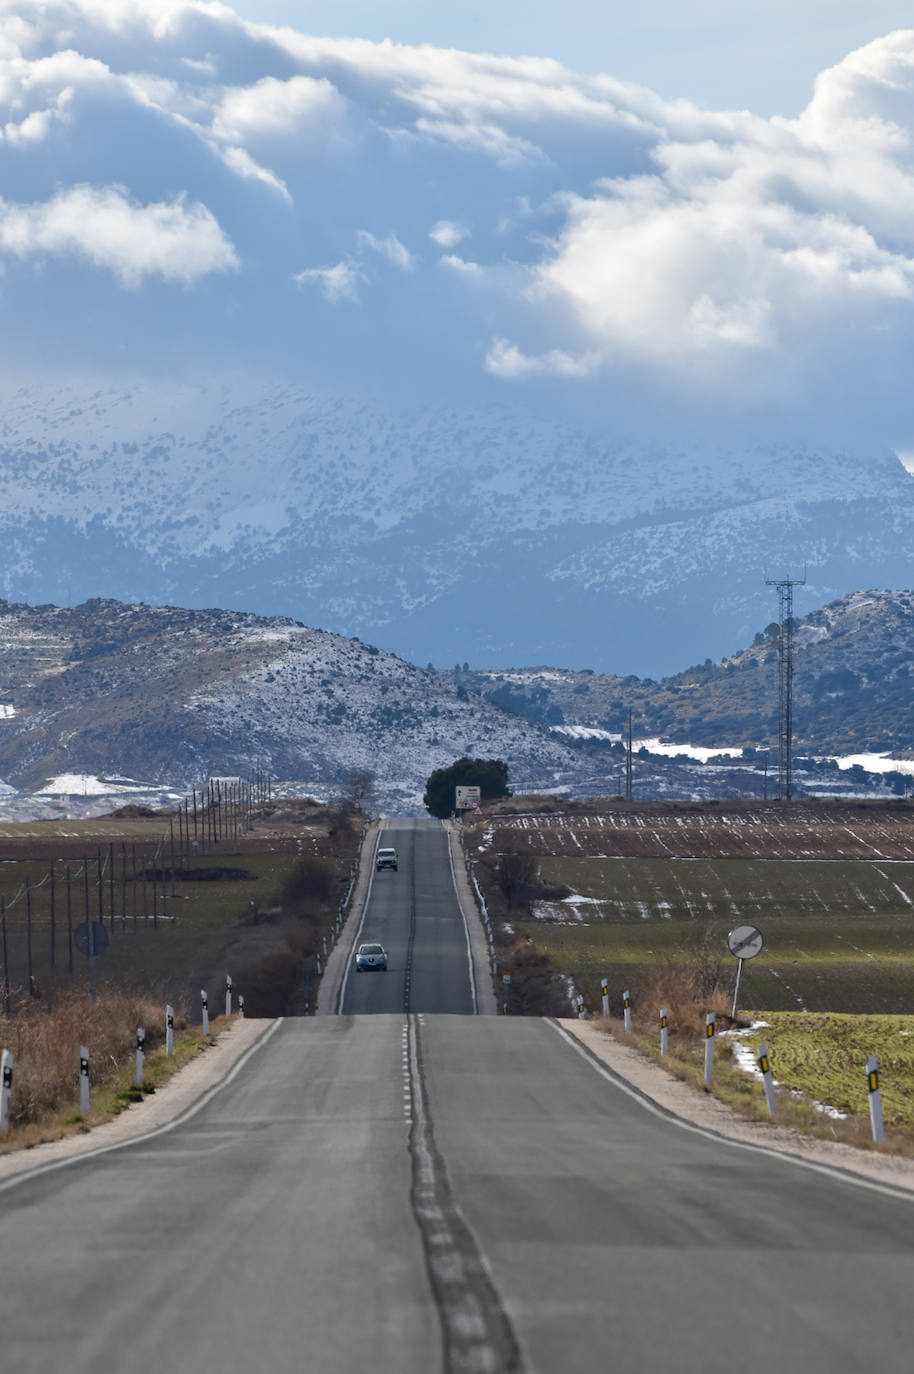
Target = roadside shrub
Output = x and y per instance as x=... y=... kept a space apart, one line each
x=310 y=882
x=45 y=1040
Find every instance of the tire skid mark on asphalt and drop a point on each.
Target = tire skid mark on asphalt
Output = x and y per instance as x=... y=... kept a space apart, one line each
x=476 y=1331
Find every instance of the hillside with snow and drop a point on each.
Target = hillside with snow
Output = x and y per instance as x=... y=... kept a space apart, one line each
x=491 y=536
x=853 y=688
x=168 y=697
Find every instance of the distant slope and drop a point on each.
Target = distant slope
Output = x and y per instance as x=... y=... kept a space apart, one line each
x=853 y=689
x=491 y=536
x=169 y=695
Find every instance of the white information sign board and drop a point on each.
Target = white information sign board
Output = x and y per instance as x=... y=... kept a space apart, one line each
x=467 y=798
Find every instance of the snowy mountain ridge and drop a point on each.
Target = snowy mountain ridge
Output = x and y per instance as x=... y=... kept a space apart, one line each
x=396 y=524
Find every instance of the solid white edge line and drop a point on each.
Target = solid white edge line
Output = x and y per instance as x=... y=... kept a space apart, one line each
x=466 y=928
x=338 y=1010
x=168 y=1126
x=832 y=1171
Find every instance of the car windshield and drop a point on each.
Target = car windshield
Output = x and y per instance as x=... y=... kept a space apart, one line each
x=371 y=949
x=387 y=851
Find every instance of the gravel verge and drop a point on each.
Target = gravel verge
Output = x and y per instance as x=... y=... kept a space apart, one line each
x=174 y=1100
x=708 y=1113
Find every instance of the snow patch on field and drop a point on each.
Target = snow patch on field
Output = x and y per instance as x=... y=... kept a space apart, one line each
x=6 y=712
x=87 y=785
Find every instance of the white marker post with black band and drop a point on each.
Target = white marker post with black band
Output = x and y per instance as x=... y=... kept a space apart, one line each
x=140 y=1055
x=6 y=1090
x=506 y=983
x=604 y=987
x=709 y=1047
x=169 y=1031
x=204 y=1003
x=875 y=1096
x=83 y=1080
x=241 y=1005
x=764 y=1065
x=228 y=994
x=627 y=1009
x=664 y=1032
x=745 y=942
x=582 y=1014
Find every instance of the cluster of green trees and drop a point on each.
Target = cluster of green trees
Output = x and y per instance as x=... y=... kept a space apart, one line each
x=489 y=775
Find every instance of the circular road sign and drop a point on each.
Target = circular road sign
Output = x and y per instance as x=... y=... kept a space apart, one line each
x=99 y=937
x=745 y=942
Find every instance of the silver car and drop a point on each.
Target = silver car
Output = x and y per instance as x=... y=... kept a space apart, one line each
x=371 y=957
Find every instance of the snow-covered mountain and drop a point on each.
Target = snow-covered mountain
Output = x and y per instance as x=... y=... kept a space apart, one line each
x=168 y=696
x=489 y=536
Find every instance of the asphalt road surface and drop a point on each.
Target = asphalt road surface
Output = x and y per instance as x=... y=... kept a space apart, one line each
x=422 y=1193
x=413 y=913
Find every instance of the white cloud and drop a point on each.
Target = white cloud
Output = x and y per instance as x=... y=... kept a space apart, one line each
x=506 y=360
x=447 y=233
x=458 y=264
x=271 y=107
x=390 y=248
x=338 y=283
x=176 y=241
x=611 y=229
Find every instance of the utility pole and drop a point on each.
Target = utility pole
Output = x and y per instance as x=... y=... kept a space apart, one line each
x=628 y=762
x=785 y=586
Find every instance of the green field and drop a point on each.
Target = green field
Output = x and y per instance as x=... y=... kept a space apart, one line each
x=839 y=935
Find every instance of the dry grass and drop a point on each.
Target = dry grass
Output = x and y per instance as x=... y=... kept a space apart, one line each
x=45 y=1042
x=673 y=987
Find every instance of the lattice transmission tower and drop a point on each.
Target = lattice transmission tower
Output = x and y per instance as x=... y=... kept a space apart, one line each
x=785 y=586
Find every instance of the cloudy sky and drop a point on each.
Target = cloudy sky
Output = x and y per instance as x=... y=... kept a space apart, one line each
x=607 y=231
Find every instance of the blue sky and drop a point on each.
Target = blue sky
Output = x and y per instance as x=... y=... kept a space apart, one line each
x=760 y=56
x=182 y=189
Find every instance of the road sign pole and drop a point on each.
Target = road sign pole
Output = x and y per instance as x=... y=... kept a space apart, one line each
x=739 y=974
x=709 y=1047
x=765 y=1070
x=94 y=991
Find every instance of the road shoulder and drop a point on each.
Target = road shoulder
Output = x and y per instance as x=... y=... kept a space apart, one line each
x=486 y=1004
x=174 y=1099
x=702 y=1110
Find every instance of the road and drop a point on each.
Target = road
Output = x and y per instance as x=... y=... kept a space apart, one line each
x=413 y=913
x=414 y=1193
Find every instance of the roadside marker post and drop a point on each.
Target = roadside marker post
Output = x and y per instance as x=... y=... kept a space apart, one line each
x=709 y=1047
x=318 y=966
x=765 y=1069
x=6 y=1090
x=228 y=994
x=582 y=1014
x=875 y=1096
x=204 y=1002
x=627 y=1009
x=169 y=1030
x=241 y=1005
x=506 y=983
x=604 y=987
x=664 y=1032
x=324 y=943
x=140 y=1055
x=83 y=1080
